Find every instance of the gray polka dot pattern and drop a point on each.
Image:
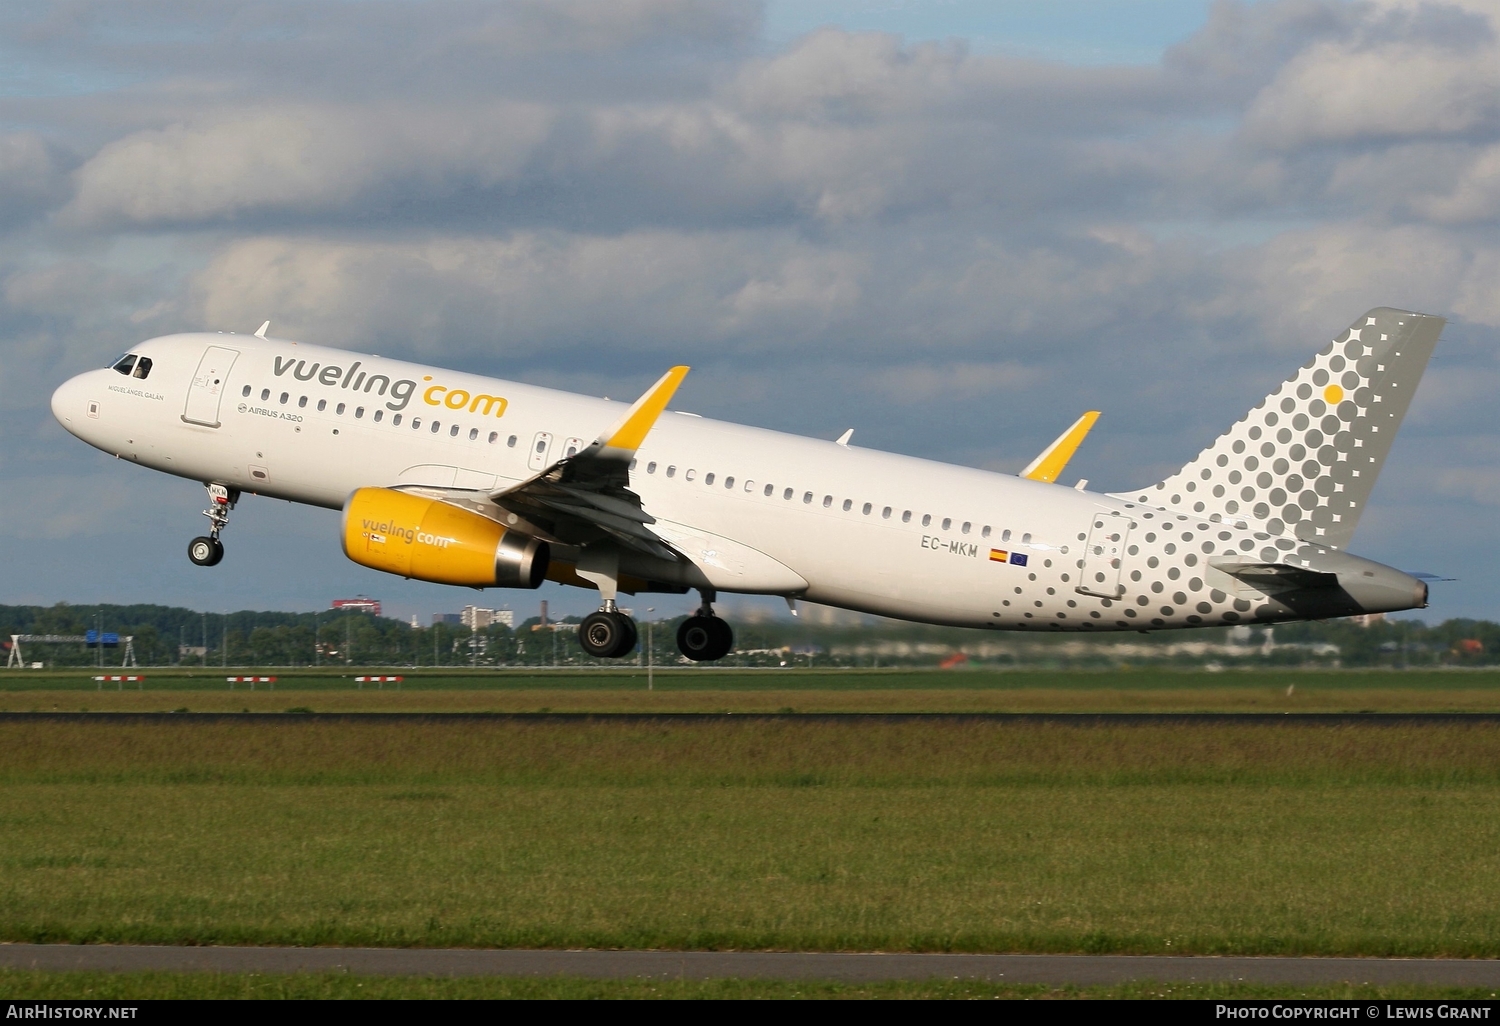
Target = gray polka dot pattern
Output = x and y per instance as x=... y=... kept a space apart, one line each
x=1304 y=461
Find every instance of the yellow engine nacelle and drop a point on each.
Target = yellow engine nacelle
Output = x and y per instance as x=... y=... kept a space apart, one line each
x=430 y=540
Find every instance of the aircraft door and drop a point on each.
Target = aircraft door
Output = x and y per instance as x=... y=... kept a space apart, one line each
x=1104 y=555
x=541 y=445
x=207 y=386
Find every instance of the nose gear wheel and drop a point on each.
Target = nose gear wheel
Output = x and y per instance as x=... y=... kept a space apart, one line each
x=205 y=551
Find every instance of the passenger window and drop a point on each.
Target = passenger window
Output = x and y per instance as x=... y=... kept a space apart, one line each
x=359 y=413
x=125 y=365
x=729 y=482
x=807 y=498
x=1026 y=539
x=769 y=490
x=265 y=394
x=906 y=516
x=867 y=509
x=541 y=446
x=708 y=479
x=1005 y=535
x=396 y=420
x=671 y=471
x=322 y=405
x=787 y=495
x=142 y=368
x=245 y=392
x=378 y=415
x=453 y=431
x=416 y=423
x=651 y=467
x=947 y=523
x=986 y=532
x=690 y=474
x=827 y=501
x=633 y=462
x=848 y=505
x=284 y=397
x=494 y=436
x=302 y=403
x=966 y=527
x=437 y=426
x=473 y=434
x=885 y=514
x=926 y=519
x=339 y=409
x=511 y=442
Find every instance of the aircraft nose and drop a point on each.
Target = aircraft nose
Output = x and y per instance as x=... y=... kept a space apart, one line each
x=70 y=402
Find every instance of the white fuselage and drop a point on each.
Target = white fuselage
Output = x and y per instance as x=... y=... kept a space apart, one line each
x=756 y=511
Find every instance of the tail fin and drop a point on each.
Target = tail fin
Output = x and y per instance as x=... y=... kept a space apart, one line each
x=1306 y=458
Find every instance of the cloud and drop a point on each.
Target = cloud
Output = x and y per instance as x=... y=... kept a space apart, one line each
x=953 y=251
x=299 y=160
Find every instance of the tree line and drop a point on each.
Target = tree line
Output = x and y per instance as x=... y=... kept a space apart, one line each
x=175 y=636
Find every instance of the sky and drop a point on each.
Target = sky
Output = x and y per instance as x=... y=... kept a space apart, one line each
x=950 y=225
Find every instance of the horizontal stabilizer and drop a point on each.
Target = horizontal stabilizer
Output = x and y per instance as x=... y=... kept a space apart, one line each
x=1275 y=575
x=1049 y=465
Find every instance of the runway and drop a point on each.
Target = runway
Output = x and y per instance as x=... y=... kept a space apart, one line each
x=1081 y=719
x=859 y=967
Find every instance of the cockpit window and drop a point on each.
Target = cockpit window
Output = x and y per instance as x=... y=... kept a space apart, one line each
x=142 y=368
x=126 y=364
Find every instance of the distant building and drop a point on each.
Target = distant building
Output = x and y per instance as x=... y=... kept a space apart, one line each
x=476 y=618
x=1368 y=619
x=447 y=618
x=358 y=605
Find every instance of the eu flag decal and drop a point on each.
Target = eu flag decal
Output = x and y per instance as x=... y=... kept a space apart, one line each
x=1018 y=559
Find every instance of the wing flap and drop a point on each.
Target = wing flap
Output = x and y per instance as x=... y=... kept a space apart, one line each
x=586 y=498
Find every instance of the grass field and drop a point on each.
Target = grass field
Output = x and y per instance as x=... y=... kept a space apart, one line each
x=1291 y=690
x=907 y=835
x=149 y=986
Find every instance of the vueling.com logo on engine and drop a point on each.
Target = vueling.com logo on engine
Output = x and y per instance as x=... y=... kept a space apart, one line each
x=381 y=532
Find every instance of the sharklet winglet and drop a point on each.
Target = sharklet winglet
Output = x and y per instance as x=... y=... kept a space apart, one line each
x=626 y=436
x=1048 y=466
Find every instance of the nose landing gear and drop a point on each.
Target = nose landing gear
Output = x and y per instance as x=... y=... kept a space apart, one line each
x=704 y=637
x=207 y=550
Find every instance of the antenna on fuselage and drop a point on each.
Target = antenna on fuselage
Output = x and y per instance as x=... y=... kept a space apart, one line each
x=261 y=331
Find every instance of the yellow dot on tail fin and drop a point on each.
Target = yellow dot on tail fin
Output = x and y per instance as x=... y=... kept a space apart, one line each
x=1333 y=395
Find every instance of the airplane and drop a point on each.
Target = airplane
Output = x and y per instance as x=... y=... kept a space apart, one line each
x=478 y=482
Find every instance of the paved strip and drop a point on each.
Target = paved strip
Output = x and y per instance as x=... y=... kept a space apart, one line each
x=1080 y=970
x=1084 y=719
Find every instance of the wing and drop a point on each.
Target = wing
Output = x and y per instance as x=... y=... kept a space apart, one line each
x=586 y=498
x=1048 y=466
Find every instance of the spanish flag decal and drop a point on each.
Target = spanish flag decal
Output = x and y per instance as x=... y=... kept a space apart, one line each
x=998 y=555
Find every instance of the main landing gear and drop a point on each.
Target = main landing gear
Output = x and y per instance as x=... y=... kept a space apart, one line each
x=207 y=550
x=608 y=633
x=704 y=637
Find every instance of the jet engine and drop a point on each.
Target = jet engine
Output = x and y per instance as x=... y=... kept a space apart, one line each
x=431 y=540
